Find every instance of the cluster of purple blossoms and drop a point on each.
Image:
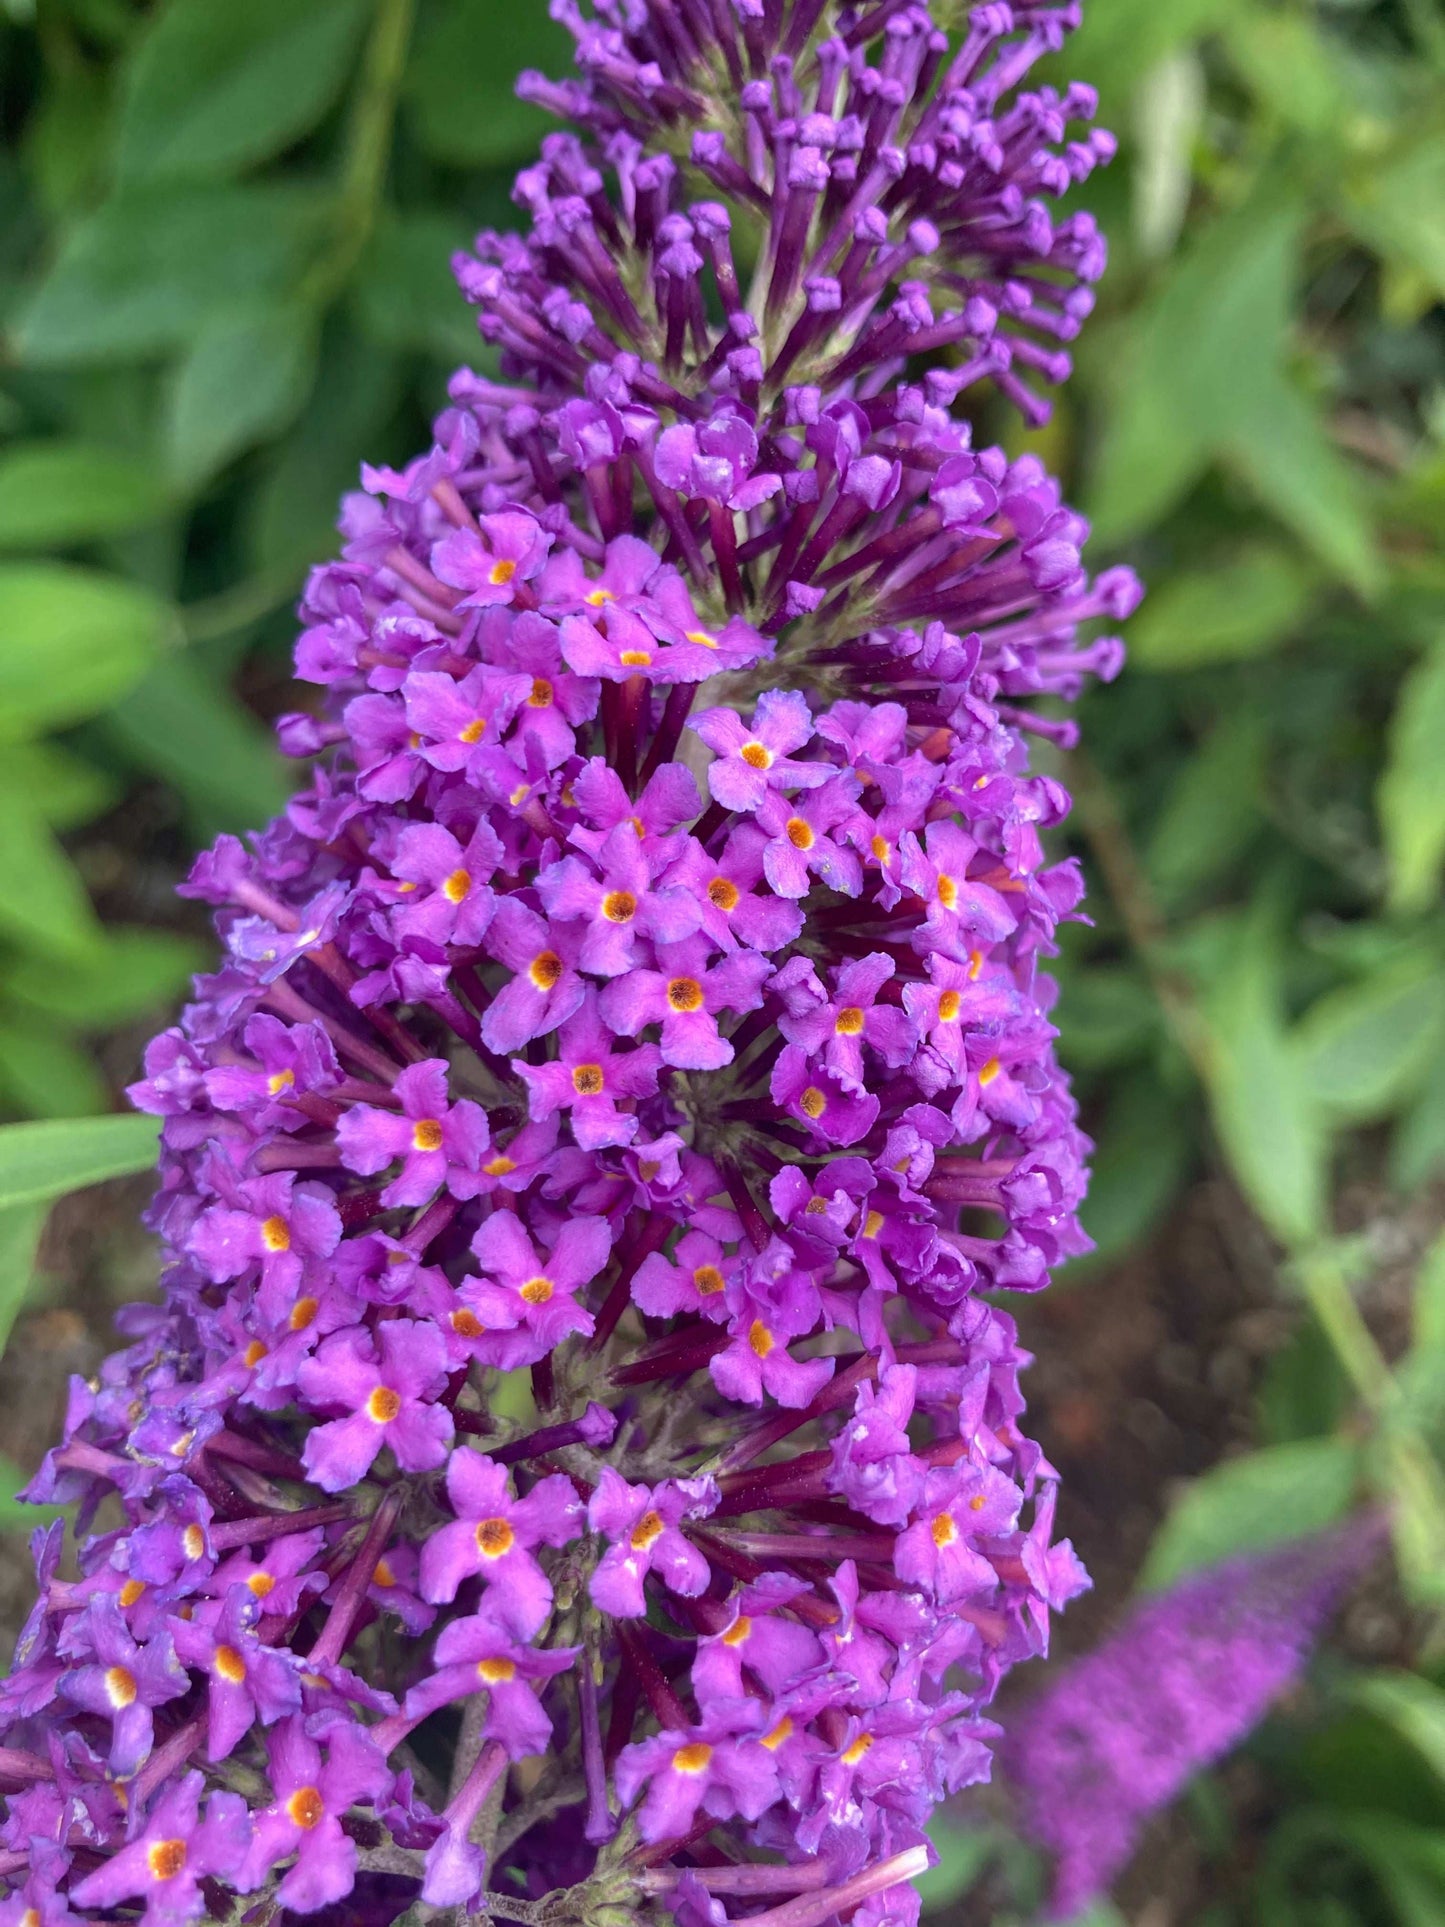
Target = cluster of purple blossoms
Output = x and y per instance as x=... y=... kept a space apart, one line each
x=578 y=1453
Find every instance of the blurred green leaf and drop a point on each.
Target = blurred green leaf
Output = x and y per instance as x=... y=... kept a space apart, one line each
x=46 y=1160
x=134 y=972
x=1414 y=1708
x=242 y=379
x=66 y=791
x=459 y=90
x=67 y=136
x=1168 y=110
x=1279 y=446
x=214 y=88
x=179 y=724
x=1108 y=1016
x=1237 y=608
x=1304 y=1393
x=963 y=1853
x=1289 y=63
x=140 y=275
x=1246 y=1504
x=1267 y=1124
x=1119 y=42
x=1365 y=1047
x=1418 y=1147
x=1142 y=1156
x=45 y=1074
x=43 y=903
x=74 y=641
x=406 y=295
x=57 y=492
x=20 y=1229
x=1396 y=208
x=1429 y=1318
x=1411 y=794
x=1213 y=810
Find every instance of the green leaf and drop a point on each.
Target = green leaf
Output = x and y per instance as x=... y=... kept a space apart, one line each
x=139 y=276
x=406 y=296
x=1271 y=1132
x=136 y=972
x=1429 y=1319
x=1238 y=608
x=43 y=903
x=1411 y=794
x=1143 y=1153
x=1418 y=1147
x=66 y=791
x=1290 y=66
x=1304 y=1393
x=240 y=382
x=1247 y=1504
x=1366 y=1047
x=963 y=1853
x=1396 y=208
x=20 y=1229
x=460 y=85
x=1280 y=448
x=1186 y=367
x=1107 y=1015
x=72 y=642
x=46 y=1160
x=1213 y=811
x=45 y=1074
x=216 y=88
x=61 y=492
x=181 y=726
x=1413 y=1708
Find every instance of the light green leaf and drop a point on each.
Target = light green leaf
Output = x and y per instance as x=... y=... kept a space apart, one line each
x=1289 y=64
x=1280 y=448
x=134 y=973
x=1429 y=1319
x=1212 y=811
x=1247 y=1504
x=45 y=1074
x=1237 y=608
x=20 y=1229
x=142 y=273
x=46 y=1160
x=406 y=296
x=460 y=84
x=1411 y=794
x=181 y=726
x=963 y=1853
x=66 y=791
x=71 y=642
x=1143 y=1153
x=1396 y=208
x=214 y=88
x=1119 y=43
x=61 y=492
x=241 y=381
x=1269 y=1128
x=1366 y=1047
x=1407 y=1861
x=1168 y=113
x=43 y=903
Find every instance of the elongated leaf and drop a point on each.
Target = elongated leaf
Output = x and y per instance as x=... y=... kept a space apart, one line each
x=1414 y=1708
x=242 y=380
x=43 y=903
x=74 y=641
x=20 y=1229
x=215 y=88
x=1366 y=1047
x=1221 y=614
x=46 y=1160
x=143 y=272
x=59 y=492
x=180 y=725
x=1270 y=1129
x=135 y=971
x=1411 y=796
x=1396 y=208
x=45 y=1074
x=1249 y=1503
x=1213 y=811
x=66 y=791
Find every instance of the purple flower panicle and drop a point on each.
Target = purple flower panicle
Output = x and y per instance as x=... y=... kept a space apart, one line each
x=586 y=1177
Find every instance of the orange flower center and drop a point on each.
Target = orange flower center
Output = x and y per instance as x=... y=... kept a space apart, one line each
x=495 y=1537
x=799 y=833
x=306 y=1807
x=496 y=1672
x=692 y=1758
x=812 y=1103
x=708 y=1281
x=466 y=1324
x=949 y=1005
x=723 y=893
x=426 y=1134
x=457 y=886
x=737 y=1633
x=120 y=1687
x=502 y=571
x=537 y=1291
x=545 y=968
x=756 y=756
x=276 y=1234
x=944 y=1530
x=685 y=994
x=989 y=1072
x=130 y=1592
x=760 y=1338
x=474 y=730
x=587 y=1079
x=648 y=1529
x=856 y=1751
x=619 y=906
x=383 y=1405
x=302 y=1313
x=849 y=1021
x=230 y=1665
x=165 y=1858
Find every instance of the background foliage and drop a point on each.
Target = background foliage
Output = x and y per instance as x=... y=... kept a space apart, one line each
x=224 y=235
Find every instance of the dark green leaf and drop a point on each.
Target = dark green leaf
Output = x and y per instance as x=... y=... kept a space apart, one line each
x=46 y=1160
x=1237 y=608
x=44 y=1074
x=181 y=726
x=43 y=903
x=1213 y=810
x=20 y=1229
x=134 y=973
x=1365 y=1047
x=241 y=381
x=460 y=96
x=141 y=274
x=1304 y=1393
x=1411 y=795
x=1249 y=1503
x=963 y=1853
x=406 y=295
x=71 y=642
x=1142 y=1156
x=66 y=791
x=214 y=88
x=61 y=492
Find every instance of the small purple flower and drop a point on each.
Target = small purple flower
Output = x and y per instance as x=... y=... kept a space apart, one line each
x=545 y=990
x=387 y=1390
x=490 y=561
x=751 y=760
x=534 y=1295
x=165 y=1866
x=719 y=1766
x=440 y=1143
x=124 y=1682
x=292 y=1061
x=836 y=1028
x=642 y=1524
x=684 y=994
x=493 y=1535
x=620 y=908
x=958 y=1504
x=456 y=722
x=834 y=1112
x=272 y=1221
x=246 y=1681
x=452 y=903
x=479 y=1655
x=693 y=1280
x=312 y=1798
x=591 y=1080
x=799 y=842
x=758 y=1360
